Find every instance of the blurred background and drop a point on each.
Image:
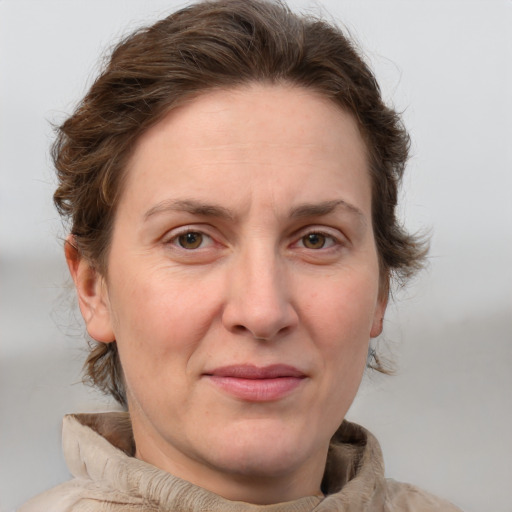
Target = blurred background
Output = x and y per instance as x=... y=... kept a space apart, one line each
x=444 y=420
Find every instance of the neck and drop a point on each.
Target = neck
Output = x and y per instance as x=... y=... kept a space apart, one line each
x=244 y=485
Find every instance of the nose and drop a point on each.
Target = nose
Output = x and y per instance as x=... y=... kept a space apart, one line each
x=259 y=297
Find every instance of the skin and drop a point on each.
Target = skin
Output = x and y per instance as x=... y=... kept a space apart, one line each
x=281 y=268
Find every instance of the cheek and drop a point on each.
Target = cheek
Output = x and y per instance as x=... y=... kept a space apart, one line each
x=342 y=309
x=159 y=323
x=339 y=318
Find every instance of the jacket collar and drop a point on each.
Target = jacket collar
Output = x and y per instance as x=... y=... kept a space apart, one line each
x=99 y=447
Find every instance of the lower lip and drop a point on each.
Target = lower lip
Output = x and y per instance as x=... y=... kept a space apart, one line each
x=257 y=390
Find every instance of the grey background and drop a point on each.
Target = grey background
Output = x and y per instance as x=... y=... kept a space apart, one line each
x=444 y=420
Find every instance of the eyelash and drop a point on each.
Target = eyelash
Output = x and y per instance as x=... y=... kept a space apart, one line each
x=174 y=240
x=334 y=241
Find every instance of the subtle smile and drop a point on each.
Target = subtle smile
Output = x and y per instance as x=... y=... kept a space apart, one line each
x=255 y=384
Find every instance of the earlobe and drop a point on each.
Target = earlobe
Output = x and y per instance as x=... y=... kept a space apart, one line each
x=378 y=317
x=377 y=327
x=92 y=294
x=380 y=307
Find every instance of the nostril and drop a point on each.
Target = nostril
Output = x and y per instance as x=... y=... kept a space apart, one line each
x=261 y=319
x=241 y=329
x=259 y=336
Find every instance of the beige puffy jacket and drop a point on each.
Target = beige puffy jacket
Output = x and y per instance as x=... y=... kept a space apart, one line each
x=97 y=448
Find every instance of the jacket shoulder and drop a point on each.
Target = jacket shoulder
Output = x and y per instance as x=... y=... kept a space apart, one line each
x=80 y=495
x=405 y=497
x=62 y=498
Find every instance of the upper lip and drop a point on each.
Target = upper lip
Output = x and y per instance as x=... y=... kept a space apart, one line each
x=248 y=371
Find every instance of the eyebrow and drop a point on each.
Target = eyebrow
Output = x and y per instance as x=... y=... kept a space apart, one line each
x=324 y=208
x=195 y=207
x=190 y=206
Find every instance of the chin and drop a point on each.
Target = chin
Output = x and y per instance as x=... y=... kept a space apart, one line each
x=264 y=450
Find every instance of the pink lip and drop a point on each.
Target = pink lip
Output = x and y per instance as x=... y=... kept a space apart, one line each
x=255 y=384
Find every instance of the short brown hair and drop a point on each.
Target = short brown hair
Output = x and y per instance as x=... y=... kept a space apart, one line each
x=218 y=44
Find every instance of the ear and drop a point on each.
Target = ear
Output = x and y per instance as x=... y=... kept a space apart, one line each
x=378 y=316
x=92 y=294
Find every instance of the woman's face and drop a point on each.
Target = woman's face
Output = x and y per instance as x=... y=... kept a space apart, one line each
x=242 y=288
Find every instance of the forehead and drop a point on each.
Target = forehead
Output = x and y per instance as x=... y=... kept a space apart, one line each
x=269 y=138
x=260 y=112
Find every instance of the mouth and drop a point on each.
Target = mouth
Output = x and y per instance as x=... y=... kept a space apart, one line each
x=257 y=384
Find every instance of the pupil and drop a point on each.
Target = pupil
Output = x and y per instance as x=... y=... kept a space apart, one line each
x=190 y=240
x=314 y=241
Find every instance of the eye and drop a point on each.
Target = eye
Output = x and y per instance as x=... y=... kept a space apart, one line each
x=316 y=240
x=190 y=240
x=194 y=244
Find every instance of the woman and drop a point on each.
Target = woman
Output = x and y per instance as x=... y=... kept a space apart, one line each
x=231 y=182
